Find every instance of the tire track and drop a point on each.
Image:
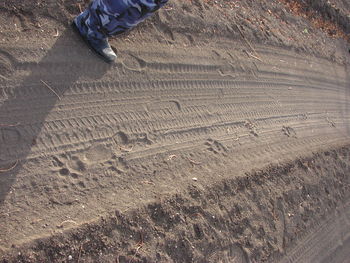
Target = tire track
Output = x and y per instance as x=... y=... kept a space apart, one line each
x=123 y=122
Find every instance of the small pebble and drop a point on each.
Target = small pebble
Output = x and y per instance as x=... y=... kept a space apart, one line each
x=195 y=179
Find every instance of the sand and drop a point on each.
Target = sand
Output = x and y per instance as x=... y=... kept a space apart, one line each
x=220 y=135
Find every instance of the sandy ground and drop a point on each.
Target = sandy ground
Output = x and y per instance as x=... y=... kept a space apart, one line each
x=220 y=135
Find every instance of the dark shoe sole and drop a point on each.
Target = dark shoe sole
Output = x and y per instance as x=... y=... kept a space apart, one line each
x=76 y=30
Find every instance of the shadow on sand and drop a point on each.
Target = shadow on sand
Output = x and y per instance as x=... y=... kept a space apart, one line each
x=22 y=117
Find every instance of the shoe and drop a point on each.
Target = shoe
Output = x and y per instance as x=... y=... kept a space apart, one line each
x=100 y=46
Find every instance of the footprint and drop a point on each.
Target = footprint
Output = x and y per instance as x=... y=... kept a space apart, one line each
x=133 y=62
x=169 y=105
x=75 y=180
x=251 y=126
x=77 y=165
x=98 y=153
x=289 y=131
x=184 y=39
x=68 y=166
x=216 y=147
x=9 y=135
x=57 y=162
x=162 y=26
x=121 y=138
x=64 y=172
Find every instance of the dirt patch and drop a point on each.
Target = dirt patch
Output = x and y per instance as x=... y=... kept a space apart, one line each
x=253 y=218
x=266 y=22
x=329 y=17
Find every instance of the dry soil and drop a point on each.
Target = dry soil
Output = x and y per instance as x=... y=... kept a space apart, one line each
x=220 y=135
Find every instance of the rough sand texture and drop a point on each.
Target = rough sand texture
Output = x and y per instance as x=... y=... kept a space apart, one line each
x=220 y=135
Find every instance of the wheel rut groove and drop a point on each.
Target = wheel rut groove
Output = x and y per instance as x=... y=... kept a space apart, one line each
x=152 y=120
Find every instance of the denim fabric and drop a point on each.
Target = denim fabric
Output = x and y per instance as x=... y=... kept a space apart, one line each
x=104 y=18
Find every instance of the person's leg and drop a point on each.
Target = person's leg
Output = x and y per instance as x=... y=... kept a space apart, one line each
x=104 y=18
x=129 y=13
x=89 y=25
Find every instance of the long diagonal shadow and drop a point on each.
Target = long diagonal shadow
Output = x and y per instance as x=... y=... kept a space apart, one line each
x=26 y=105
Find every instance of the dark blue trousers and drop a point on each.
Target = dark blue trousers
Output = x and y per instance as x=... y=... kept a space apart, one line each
x=104 y=18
